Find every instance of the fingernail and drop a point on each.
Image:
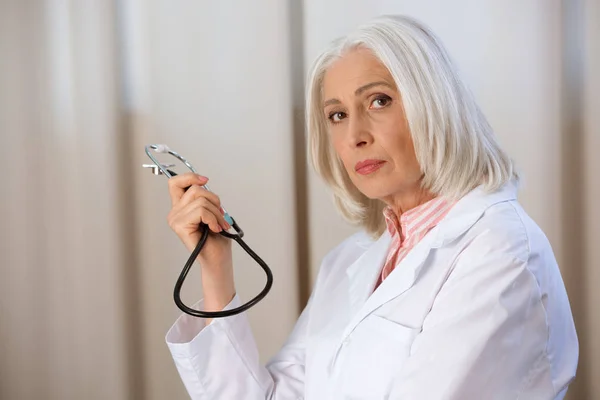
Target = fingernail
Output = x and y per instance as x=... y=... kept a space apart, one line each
x=202 y=178
x=222 y=211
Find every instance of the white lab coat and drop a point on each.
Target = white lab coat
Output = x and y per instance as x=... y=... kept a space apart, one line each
x=477 y=310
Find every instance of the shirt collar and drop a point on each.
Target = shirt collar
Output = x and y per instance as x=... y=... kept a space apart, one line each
x=418 y=220
x=461 y=216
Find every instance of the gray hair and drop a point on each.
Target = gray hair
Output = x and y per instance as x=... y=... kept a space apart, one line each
x=454 y=144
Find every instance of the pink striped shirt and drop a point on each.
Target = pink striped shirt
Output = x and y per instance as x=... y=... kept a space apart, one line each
x=412 y=227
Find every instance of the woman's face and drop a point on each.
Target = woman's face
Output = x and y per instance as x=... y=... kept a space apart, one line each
x=368 y=127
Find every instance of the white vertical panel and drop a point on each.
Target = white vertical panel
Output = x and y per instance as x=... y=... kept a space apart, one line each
x=509 y=56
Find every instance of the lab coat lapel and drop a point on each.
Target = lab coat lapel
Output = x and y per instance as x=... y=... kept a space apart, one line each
x=400 y=280
x=363 y=273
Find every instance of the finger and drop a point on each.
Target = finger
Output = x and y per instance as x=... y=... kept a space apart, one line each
x=194 y=214
x=178 y=184
x=202 y=210
x=197 y=191
x=216 y=211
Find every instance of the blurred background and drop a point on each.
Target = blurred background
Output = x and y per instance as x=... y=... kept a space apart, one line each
x=88 y=262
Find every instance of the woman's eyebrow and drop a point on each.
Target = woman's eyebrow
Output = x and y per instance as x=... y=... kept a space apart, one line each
x=370 y=85
x=358 y=91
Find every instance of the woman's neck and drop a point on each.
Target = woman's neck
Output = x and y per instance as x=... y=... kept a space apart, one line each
x=402 y=202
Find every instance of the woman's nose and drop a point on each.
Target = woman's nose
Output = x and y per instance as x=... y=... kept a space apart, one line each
x=359 y=134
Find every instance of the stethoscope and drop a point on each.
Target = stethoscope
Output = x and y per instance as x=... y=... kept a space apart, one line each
x=163 y=169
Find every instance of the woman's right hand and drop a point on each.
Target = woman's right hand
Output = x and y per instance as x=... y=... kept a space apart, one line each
x=191 y=206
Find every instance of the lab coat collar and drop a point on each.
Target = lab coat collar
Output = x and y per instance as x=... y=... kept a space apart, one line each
x=364 y=272
x=469 y=209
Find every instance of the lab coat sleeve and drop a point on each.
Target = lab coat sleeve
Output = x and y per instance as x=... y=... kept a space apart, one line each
x=485 y=336
x=221 y=360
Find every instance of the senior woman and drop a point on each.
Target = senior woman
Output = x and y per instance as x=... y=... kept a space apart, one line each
x=450 y=290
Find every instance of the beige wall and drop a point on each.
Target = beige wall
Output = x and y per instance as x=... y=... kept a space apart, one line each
x=590 y=330
x=87 y=260
x=61 y=303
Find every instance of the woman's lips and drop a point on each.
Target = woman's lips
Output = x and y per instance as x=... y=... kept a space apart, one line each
x=367 y=167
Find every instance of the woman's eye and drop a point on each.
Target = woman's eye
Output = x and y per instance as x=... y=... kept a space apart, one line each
x=381 y=102
x=337 y=116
